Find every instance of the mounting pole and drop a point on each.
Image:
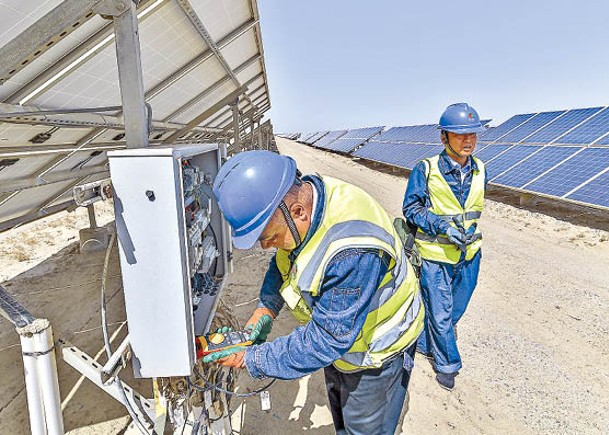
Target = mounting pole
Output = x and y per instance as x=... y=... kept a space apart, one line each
x=130 y=76
x=235 y=108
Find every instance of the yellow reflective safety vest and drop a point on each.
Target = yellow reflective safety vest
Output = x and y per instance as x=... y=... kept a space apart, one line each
x=353 y=219
x=445 y=205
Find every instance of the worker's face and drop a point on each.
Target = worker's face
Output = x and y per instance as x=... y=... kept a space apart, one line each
x=462 y=144
x=277 y=234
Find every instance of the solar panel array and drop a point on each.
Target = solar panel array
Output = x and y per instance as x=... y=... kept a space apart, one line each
x=560 y=154
x=327 y=140
x=61 y=100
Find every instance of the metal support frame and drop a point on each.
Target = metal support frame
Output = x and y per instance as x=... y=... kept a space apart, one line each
x=44 y=33
x=84 y=51
x=227 y=111
x=194 y=19
x=130 y=77
x=84 y=364
x=200 y=59
x=206 y=114
x=18 y=184
x=209 y=90
x=33 y=115
x=236 y=132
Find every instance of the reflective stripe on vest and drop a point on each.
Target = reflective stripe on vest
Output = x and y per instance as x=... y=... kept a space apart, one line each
x=445 y=205
x=353 y=219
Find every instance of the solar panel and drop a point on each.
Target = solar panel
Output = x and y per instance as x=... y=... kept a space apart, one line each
x=329 y=138
x=384 y=152
x=417 y=152
x=573 y=172
x=534 y=166
x=495 y=133
x=509 y=158
x=411 y=133
x=345 y=145
x=535 y=123
x=491 y=151
x=594 y=192
x=362 y=133
x=590 y=130
x=602 y=141
x=315 y=137
x=561 y=126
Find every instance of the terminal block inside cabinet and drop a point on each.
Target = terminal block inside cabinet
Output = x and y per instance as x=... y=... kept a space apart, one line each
x=174 y=246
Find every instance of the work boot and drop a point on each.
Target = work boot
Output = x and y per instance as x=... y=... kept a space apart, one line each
x=446 y=380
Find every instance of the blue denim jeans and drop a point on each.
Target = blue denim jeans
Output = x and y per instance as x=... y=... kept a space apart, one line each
x=369 y=402
x=446 y=290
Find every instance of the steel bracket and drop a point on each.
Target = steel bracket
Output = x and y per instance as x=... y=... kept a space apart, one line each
x=109 y=9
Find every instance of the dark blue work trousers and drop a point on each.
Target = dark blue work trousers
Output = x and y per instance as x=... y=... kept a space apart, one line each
x=369 y=402
x=446 y=290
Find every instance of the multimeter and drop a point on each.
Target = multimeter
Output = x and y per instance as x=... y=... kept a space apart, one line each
x=217 y=341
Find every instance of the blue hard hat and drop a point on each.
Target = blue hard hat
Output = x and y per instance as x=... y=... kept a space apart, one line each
x=461 y=118
x=249 y=188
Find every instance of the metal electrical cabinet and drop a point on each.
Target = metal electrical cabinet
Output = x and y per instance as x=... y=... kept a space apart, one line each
x=174 y=251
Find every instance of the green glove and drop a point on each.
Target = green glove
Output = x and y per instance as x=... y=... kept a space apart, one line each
x=215 y=356
x=224 y=330
x=261 y=329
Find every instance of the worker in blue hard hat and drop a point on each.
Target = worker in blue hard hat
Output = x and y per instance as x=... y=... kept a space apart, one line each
x=443 y=203
x=340 y=268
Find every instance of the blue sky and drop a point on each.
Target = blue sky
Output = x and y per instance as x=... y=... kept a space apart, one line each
x=342 y=64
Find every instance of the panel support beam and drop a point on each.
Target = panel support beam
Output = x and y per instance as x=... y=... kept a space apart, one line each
x=131 y=78
x=44 y=33
x=203 y=116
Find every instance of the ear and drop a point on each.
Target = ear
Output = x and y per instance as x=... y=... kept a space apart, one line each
x=299 y=212
x=444 y=137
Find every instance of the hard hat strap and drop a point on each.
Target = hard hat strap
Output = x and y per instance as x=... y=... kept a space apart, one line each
x=445 y=134
x=291 y=224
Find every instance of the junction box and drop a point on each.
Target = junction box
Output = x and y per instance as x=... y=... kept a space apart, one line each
x=174 y=251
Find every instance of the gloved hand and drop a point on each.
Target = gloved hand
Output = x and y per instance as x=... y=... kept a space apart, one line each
x=229 y=357
x=470 y=235
x=260 y=324
x=455 y=236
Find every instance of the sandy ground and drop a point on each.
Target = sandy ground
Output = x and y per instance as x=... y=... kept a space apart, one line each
x=535 y=339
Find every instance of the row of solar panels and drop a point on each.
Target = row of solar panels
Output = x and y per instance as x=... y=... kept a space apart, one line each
x=560 y=154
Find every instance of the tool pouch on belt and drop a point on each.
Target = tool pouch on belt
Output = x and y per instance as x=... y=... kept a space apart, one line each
x=407 y=233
